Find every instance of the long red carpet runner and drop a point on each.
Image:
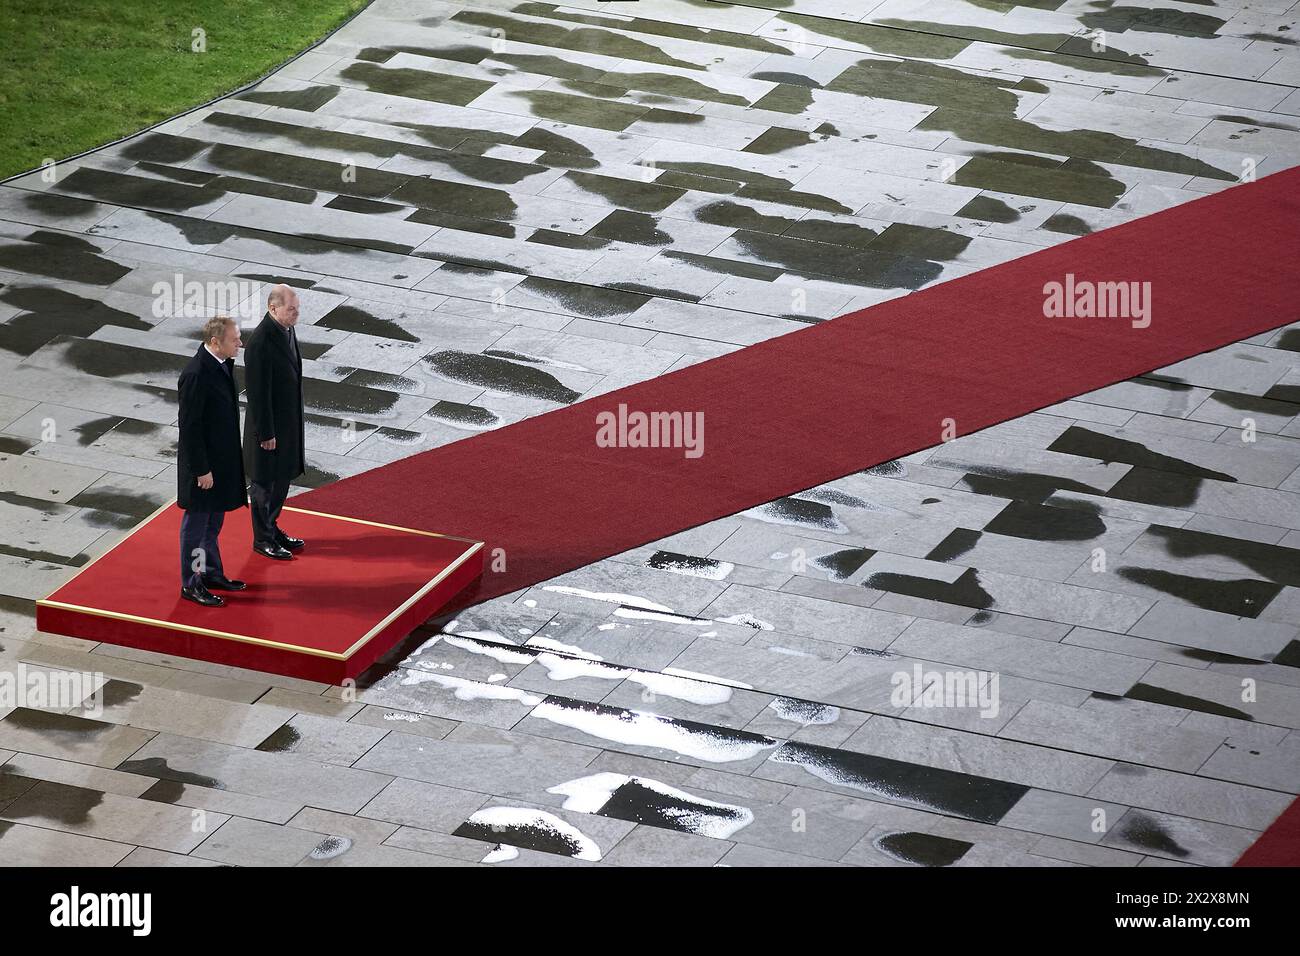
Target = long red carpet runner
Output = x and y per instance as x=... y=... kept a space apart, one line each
x=805 y=408
x=821 y=403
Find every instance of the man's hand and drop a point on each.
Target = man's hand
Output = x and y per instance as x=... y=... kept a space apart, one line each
x=268 y=445
x=205 y=481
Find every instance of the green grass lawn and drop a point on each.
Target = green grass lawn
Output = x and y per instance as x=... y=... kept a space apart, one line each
x=79 y=73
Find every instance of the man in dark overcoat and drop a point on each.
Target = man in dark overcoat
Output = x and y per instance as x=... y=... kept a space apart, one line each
x=209 y=466
x=274 y=438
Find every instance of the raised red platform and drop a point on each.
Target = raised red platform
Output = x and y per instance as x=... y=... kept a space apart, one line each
x=354 y=591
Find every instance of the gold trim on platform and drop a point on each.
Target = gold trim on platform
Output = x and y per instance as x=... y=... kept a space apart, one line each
x=401 y=608
x=189 y=629
x=376 y=524
x=261 y=641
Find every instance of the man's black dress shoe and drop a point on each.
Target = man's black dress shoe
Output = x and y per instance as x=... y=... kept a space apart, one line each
x=284 y=541
x=219 y=582
x=272 y=550
x=201 y=595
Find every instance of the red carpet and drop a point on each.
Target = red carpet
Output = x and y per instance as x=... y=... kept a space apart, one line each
x=806 y=408
x=353 y=592
x=1279 y=845
x=821 y=403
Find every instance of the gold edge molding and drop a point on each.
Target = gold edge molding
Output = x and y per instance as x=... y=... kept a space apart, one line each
x=376 y=524
x=261 y=641
x=189 y=629
x=405 y=605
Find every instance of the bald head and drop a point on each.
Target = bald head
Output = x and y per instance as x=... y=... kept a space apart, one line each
x=282 y=303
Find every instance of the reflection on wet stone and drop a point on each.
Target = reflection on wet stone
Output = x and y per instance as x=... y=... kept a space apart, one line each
x=350 y=318
x=1241 y=597
x=812 y=514
x=922 y=849
x=499 y=375
x=943 y=791
x=965 y=590
x=842 y=564
x=464 y=416
x=1146 y=832
x=1160 y=695
x=653 y=803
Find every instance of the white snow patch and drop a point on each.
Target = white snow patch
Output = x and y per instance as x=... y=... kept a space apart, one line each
x=648 y=730
x=572 y=649
x=501 y=853
x=708 y=678
x=506 y=655
x=472 y=689
x=609 y=597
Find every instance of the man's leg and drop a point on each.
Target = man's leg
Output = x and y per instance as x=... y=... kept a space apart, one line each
x=279 y=492
x=210 y=547
x=214 y=577
x=195 y=557
x=260 y=496
x=193 y=524
x=201 y=550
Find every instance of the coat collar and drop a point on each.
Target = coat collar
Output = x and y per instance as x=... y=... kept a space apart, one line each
x=276 y=332
x=209 y=361
x=204 y=350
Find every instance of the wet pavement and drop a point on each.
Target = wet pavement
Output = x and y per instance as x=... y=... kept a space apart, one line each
x=494 y=209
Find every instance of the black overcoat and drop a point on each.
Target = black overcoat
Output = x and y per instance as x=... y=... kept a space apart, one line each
x=273 y=389
x=209 y=436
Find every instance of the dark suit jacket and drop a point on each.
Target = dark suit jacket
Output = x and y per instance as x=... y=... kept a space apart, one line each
x=273 y=388
x=209 y=436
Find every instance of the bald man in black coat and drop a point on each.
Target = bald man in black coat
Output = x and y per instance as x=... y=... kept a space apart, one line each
x=274 y=437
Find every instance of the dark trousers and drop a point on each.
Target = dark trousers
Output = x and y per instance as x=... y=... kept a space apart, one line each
x=200 y=556
x=265 y=501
